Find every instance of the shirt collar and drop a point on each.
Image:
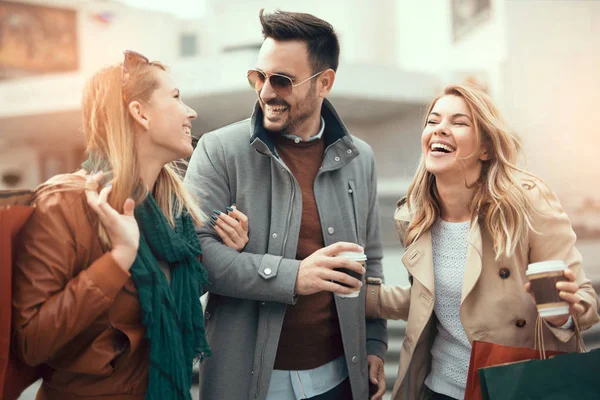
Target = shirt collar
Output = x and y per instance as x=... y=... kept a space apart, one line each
x=298 y=139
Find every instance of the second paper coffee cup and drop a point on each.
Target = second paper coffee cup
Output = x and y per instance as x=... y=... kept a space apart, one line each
x=360 y=258
x=543 y=277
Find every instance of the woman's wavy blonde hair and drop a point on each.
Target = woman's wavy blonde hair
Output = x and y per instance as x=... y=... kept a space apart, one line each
x=109 y=131
x=500 y=198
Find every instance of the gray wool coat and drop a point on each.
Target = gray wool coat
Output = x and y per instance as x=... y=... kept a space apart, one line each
x=250 y=290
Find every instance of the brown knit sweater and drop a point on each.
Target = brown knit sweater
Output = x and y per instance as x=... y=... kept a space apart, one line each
x=310 y=336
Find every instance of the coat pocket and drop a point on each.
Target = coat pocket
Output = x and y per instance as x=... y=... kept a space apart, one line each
x=357 y=206
x=209 y=313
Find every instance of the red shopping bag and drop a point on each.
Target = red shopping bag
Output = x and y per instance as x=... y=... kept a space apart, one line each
x=485 y=354
x=15 y=376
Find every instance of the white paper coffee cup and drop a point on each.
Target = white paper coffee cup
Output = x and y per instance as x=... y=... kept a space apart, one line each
x=543 y=277
x=359 y=257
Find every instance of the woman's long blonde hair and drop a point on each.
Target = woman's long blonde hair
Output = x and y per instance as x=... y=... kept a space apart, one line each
x=500 y=198
x=109 y=131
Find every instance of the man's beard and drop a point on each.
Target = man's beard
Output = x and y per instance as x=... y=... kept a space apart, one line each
x=305 y=112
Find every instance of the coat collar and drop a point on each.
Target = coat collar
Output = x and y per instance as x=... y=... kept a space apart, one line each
x=335 y=129
x=418 y=259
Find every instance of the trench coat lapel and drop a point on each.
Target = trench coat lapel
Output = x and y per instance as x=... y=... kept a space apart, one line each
x=473 y=264
x=418 y=260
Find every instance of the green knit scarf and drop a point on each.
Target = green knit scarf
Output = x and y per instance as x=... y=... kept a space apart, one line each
x=172 y=315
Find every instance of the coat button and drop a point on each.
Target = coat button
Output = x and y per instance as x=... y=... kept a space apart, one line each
x=349 y=151
x=410 y=280
x=349 y=190
x=354 y=360
x=330 y=230
x=520 y=323
x=337 y=159
x=274 y=235
x=268 y=271
x=504 y=273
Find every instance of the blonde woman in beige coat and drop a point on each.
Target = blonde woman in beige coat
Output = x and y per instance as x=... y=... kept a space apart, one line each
x=471 y=223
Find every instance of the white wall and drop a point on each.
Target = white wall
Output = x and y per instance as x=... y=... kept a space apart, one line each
x=365 y=31
x=551 y=91
x=425 y=42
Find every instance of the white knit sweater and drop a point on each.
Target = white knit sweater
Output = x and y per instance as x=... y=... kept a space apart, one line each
x=451 y=349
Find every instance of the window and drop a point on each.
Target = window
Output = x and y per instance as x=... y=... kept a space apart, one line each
x=188 y=46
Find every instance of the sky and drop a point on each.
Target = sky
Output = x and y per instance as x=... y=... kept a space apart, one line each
x=181 y=8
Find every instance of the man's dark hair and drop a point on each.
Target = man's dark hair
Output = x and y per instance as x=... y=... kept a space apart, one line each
x=321 y=40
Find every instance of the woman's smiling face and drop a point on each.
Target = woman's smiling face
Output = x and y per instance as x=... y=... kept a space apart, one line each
x=449 y=140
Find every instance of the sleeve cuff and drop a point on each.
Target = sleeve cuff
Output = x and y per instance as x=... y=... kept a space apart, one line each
x=107 y=275
x=569 y=324
x=283 y=272
x=376 y=348
x=288 y=271
x=372 y=299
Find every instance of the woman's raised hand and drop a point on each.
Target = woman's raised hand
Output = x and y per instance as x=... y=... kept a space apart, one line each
x=122 y=229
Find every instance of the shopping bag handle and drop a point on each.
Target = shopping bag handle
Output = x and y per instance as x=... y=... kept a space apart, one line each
x=539 y=338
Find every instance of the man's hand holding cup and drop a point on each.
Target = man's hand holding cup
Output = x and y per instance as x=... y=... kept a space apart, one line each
x=319 y=271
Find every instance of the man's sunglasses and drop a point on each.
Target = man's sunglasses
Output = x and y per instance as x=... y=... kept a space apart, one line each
x=281 y=84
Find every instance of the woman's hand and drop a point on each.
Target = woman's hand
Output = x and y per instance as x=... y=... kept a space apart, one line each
x=567 y=292
x=122 y=229
x=232 y=227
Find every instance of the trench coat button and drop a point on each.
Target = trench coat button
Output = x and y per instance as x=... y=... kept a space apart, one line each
x=349 y=151
x=337 y=159
x=520 y=323
x=410 y=280
x=349 y=190
x=504 y=273
x=354 y=360
x=330 y=230
x=274 y=235
x=207 y=315
x=268 y=271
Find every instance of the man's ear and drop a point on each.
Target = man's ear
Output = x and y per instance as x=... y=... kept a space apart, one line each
x=138 y=112
x=325 y=82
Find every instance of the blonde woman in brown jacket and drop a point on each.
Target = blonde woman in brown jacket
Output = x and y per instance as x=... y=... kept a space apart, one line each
x=471 y=223
x=107 y=285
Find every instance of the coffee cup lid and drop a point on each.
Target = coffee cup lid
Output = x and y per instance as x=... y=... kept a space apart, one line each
x=546 y=266
x=353 y=255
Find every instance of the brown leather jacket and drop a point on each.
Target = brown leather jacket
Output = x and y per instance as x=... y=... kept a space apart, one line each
x=74 y=309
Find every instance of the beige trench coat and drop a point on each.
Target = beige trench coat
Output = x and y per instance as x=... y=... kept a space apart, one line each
x=494 y=304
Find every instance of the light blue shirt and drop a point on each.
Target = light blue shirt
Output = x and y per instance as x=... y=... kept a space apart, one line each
x=298 y=139
x=296 y=385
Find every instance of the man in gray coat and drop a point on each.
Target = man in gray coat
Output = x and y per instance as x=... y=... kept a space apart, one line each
x=278 y=320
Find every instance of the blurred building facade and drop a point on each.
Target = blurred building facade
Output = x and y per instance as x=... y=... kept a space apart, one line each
x=538 y=59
